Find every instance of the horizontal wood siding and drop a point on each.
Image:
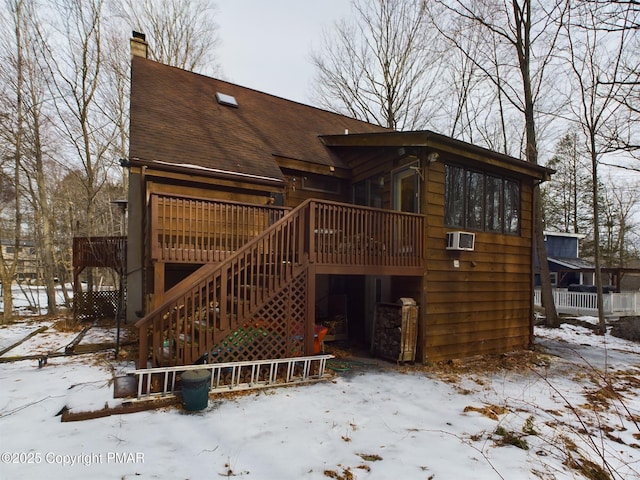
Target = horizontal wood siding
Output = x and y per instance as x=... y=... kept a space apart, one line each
x=245 y=192
x=484 y=305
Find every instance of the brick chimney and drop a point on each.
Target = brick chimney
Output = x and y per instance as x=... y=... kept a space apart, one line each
x=139 y=45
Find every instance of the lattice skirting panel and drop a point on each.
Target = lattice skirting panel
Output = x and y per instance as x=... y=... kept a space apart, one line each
x=95 y=305
x=275 y=331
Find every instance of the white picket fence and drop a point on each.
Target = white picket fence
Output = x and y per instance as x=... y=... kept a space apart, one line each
x=583 y=303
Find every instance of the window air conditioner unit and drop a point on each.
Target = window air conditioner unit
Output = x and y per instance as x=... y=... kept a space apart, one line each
x=461 y=241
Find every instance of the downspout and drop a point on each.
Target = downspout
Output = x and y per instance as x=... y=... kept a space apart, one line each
x=532 y=284
x=144 y=201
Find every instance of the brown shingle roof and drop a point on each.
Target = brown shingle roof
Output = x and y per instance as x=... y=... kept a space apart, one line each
x=175 y=118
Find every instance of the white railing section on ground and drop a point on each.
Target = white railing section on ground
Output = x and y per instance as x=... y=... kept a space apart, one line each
x=586 y=303
x=231 y=376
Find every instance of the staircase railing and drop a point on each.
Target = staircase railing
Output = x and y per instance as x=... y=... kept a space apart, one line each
x=203 y=309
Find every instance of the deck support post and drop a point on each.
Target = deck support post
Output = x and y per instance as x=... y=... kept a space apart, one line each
x=158 y=284
x=309 y=327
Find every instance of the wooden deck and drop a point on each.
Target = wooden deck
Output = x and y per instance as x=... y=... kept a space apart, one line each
x=97 y=252
x=345 y=239
x=258 y=301
x=339 y=238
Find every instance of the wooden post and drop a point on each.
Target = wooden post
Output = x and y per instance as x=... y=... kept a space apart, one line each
x=310 y=324
x=158 y=284
x=143 y=346
x=309 y=232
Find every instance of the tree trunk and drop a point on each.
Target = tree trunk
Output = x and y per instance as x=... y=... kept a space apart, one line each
x=522 y=17
x=7 y=299
x=602 y=327
x=546 y=290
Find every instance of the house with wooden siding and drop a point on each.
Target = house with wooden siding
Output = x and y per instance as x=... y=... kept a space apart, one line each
x=254 y=219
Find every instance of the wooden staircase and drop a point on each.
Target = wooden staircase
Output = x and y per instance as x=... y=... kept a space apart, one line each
x=256 y=304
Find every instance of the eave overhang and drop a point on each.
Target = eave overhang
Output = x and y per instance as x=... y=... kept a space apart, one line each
x=437 y=142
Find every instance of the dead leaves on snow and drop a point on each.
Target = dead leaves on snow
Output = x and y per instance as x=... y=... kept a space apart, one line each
x=347 y=474
x=489 y=411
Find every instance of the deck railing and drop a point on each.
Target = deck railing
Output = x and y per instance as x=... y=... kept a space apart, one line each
x=586 y=303
x=194 y=230
x=188 y=230
x=343 y=234
x=99 y=252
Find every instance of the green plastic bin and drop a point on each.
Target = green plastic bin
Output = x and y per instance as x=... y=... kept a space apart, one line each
x=195 y=389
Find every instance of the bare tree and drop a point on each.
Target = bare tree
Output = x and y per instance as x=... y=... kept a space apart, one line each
x=181 y=34
x=381 y=66
x=114 y=98
x=620 y=202
x=36 y=165
x=76 y=68
x=519 y=27
x=13 y=138
x=595 y=61
x=616 y=18
x=463 y=79
x=481 y=112
x=567 y=197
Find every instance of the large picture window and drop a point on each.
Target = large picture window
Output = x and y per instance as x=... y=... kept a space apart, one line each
x=479 y=201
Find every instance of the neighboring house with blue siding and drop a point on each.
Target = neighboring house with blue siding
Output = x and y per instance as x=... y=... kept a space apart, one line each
x=568 y=270
x=566 y=267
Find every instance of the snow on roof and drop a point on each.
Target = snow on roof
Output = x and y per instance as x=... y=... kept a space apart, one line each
x=217 y=170
x=572 y=263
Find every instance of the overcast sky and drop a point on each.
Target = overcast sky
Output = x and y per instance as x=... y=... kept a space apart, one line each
x=266 y=44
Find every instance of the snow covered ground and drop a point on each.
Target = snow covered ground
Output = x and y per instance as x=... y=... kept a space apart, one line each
x=32 y=299
x=568 y=411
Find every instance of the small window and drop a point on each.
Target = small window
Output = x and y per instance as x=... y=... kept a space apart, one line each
x=475 y=201
x=320 y=183
x=369 y=192
x=511 y=206
x=493 y=206
x=454 y=196
x=228 y=100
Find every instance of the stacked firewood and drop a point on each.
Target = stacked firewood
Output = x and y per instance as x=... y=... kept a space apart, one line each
x=394 y=339
x=388 y=331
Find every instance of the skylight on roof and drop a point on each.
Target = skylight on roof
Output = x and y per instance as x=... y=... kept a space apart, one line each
x=228 y=100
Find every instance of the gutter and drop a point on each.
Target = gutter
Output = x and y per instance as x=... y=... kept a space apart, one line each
x=201 y=171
